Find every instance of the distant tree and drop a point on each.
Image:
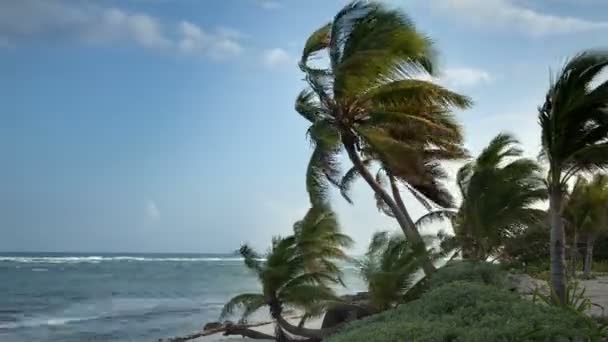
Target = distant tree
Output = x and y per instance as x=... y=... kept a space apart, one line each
x=368 y=100
x=576 y=214
x=574 y=124
x=596 y=222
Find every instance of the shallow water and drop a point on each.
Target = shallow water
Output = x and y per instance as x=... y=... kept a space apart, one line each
x=112 y=297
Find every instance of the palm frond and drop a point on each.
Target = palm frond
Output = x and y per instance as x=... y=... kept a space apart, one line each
x=438 y=215
x=317 y=41
x=413 y=92
x=251 y=258
x=248 y=302
x=349 y=179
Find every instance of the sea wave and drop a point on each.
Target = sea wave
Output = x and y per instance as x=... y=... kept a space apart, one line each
x=37 y=322
x=98 y=259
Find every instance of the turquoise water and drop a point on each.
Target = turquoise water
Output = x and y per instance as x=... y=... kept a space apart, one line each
x=118 y=297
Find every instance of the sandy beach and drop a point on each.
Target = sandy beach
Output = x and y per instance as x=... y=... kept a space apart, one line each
x=266 y=329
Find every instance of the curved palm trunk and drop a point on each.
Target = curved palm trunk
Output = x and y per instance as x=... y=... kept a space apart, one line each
x=315 y=334
x=589 y=255
x=558 y=274
x=403 y=218
x=574 y=253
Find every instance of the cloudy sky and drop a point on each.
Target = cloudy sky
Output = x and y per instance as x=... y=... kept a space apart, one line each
x=168 y=126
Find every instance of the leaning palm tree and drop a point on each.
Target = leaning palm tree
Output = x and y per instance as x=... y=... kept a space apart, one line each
x=319 y=239
x=574 y=124
x=498 y=189
x=389 y=268
x=299 y=272
x=368 y=100
x=285 y=282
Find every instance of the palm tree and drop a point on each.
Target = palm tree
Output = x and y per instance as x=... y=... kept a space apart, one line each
x=574 y=124
x=319 y=239
x=498 y=190
x=368 y=100
x=576 y=217
x=389 y=268
x=597 y=223
x=299 y=272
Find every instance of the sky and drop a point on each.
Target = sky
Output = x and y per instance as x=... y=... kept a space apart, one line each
x=168 y=125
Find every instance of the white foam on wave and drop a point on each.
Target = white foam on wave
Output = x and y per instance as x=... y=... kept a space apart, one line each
x=37 y=322
x=98 y=259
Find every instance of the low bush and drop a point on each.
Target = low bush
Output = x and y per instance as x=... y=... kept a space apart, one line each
x=460 y=311
x=469 y=271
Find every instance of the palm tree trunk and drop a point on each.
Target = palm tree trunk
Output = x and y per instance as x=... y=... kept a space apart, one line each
x=405 y=221
x=574 y=253
x=558 y=275
x=427 y=265
x=316 y=334
x=589 y=255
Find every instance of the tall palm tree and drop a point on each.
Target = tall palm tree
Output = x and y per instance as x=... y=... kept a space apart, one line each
x=389 y=268
x=574 y=124
x=498 y=190
x=367 y=100
x=299 y=272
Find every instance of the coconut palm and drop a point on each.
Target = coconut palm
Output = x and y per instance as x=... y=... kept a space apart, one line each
x=498 y=190
x=319 y=239
x=299 y=272
x=574 y=124
x=389 y=268
x=367 y=100
x=284 y=281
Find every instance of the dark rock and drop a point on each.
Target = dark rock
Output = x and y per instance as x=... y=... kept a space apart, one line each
x=343 y=313
x=212 y=325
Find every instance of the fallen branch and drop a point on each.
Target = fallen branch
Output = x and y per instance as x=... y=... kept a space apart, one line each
x=246 y=332
x=224 y=329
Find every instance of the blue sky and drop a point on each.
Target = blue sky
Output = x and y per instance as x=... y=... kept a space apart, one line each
x=168 y=126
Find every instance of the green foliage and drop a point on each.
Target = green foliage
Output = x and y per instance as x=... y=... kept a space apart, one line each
x=299 y=270
x=470 y=312
x=575 y=300
x=498 y=189
x=574 y=120
x=368 y=99
x=528 y=248
x=389 y=267
x=468 y=271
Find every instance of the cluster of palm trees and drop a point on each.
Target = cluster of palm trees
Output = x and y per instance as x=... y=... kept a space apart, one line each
x=586 y=215
x=369 y=96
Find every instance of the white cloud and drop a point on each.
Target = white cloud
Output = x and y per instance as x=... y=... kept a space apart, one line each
x=269 y=4
x=151 y=211
x=505 y=14
x=219 y=45
x=193 y=38
x=459 y=77
x=465 y=77
x=82 y=21
x=276 y=57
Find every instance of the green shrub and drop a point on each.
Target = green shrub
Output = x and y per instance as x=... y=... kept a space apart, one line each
x=470 y=312
x=468 y=271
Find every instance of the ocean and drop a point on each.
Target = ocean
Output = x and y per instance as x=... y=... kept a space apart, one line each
x=66 y=297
